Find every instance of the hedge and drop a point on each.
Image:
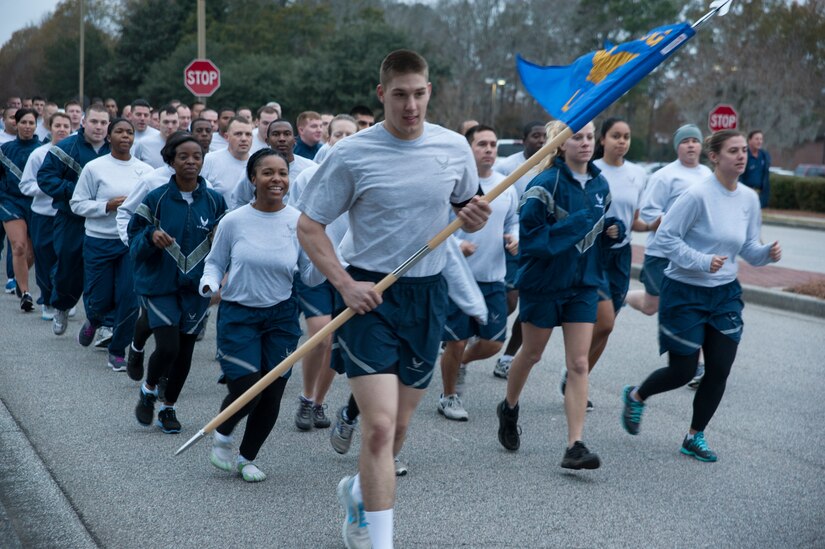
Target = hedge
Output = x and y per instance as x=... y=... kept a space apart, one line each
x=790 y=192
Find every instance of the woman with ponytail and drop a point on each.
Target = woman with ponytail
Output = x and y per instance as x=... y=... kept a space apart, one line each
x=701 y=305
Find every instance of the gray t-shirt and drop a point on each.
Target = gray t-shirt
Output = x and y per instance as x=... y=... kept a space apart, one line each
x=260 y=252
x=707 y=220
x=397 y=193
x=663 y=188
x=488 y=260
x=627 y=182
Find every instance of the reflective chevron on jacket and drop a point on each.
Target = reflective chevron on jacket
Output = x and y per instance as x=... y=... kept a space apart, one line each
x=163 y=271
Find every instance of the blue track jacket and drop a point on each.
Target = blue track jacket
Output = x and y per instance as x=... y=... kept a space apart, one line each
x=62 y=166
x=561 y=231
x=180 y=266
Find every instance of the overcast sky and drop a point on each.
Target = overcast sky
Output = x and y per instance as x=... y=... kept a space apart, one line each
x=19 y=13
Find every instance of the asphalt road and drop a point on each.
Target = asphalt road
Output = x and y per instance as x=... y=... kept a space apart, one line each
x=112 y=483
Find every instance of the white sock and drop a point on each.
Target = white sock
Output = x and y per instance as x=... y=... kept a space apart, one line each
x=135 y=349
x=356 y=488
x=507 y=357
x=146 y=390
x=689 y=436
x=166 y=407
x=379 y=525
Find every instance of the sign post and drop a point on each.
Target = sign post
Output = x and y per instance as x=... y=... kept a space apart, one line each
x=723 y=117
x=202 y=78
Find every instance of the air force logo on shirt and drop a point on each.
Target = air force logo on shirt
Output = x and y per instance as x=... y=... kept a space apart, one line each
x=599 y=201
x=204 y=224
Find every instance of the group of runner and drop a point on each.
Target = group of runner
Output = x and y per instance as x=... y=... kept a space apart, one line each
x=150 y=228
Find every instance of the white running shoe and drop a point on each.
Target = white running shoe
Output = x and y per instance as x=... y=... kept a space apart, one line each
x=450 y=406
x=222 y=455
x=502 y=368
x=102 y=338
x=354 y=530
x=60 y=322
x=46 y=312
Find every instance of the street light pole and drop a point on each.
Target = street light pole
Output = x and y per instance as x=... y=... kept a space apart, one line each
x=495 y=84
x=202 y=35
x=82 y=56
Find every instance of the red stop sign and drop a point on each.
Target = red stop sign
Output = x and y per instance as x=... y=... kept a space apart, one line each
x=202 y=77
x=723 y=117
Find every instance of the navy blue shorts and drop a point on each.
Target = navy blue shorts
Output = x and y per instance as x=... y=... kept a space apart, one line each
x=545 y=311
x=185 y=309
x=616 y=264
x=460 y=326
x=256 y=339
x=512 y=268
x=685 y=310
x=315 y=300
x=653 y=272
x=13 y=208
x=401 y=336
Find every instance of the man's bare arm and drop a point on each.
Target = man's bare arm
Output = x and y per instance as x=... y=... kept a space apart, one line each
x=359 y=296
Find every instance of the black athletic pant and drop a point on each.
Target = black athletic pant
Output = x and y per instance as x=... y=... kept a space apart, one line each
x=720 y=351
x=262 y=411
x=142 y=330
x=172 y=357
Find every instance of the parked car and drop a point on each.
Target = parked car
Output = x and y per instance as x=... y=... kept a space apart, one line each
x=506 y=147
x=810 y=170
x=780 y=171
x=650 y=167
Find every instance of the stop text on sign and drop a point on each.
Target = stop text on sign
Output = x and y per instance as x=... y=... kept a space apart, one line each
x=196 y=78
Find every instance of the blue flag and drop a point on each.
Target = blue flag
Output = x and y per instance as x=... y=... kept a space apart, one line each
x=577 y=93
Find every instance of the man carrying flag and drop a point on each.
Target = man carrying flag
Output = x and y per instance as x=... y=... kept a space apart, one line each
x=398 y=181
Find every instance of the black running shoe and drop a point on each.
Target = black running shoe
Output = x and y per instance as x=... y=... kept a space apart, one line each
x=579 y=457
x=168 y=422
x=145 y=409
x=26 y=303
x=509 y=432
x=134 y=364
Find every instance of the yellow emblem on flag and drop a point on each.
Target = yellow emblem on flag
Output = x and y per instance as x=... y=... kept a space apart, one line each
x=605 y=62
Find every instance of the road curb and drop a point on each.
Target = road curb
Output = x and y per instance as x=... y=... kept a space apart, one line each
x=796 y=222
x=34 y=511
x=769 y=297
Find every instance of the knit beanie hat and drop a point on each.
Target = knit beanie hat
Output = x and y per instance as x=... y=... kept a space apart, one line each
x=686 y=131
